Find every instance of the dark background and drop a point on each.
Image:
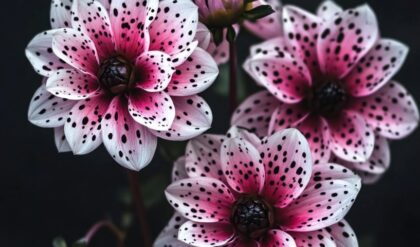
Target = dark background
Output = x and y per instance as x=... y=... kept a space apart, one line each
x=44 y=194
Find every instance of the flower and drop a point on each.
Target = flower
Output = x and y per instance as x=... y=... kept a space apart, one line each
x=220 y=14
x=330 y=77
x=242 y=191
x=121 y=73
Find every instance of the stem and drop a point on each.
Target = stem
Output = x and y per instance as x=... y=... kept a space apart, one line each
x=233 y=65
x=120 y=235
x=139 y=207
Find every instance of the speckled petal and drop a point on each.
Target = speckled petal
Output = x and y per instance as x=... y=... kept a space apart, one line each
x=129 y=143
x=204 y=200
x=206 y=234
x=193 y=116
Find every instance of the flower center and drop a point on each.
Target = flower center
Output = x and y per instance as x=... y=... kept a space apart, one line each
x=328 y=99
x=252 y=216
x=116 y=74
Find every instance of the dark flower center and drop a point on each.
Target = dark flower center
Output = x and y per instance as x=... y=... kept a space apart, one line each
x=116 y=74
x=328 y=99
x=252 y=216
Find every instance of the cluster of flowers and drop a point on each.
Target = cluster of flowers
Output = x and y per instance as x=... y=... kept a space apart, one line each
x=126 y=72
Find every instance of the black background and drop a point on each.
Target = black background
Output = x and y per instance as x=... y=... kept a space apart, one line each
x=44 y=194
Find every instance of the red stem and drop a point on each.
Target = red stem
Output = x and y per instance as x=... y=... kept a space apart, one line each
x=233 y=66
x=139 y=208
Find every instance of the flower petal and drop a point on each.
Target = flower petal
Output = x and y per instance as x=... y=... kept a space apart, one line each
x=129 y=143
x=391 y=111
x=314 y=238
x=175 y=26
x=220 y=53
x=92 y=18
x=48 y=111
x=179 y=170
x=60 y=13
x=278 y=238
x=83 y=126
x=242 y=166
x=155 y=71
x=195 y=75
x=39 y=52
x=193 y=116
x=201 y=199
x=345 y=39
x=378 y=163
x=72 y=84
x=325 y=201
x=284 y=76
x=60 y=140
x=351 y=138
x=328 y=10
x=180 y=57
x=301 y=29
x=206 y=235
x=130 y=21
x=203 y=36
x=286 y=116
x=169 y=236
x=203 y=157
x=378 y=66
x=153 y=110
x=288 y=166
x=237 y=132
x=76 y=49
x=343 y=234
x=269 y=26
x=315 y=129
x=106 y=4
x=255 y=112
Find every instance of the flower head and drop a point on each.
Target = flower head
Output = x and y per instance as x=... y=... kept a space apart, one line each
x=121 y=73
x=242 y=191
x=330 y=77
x=218 y=18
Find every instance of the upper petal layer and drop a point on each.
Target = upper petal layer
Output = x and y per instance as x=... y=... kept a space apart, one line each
x=169 y=235
x=91 y=17
x=328 y=10
x=153 y=110
x=278 y=238
x=201 y=199
x=193 y=116
x=391 y=111
x=129 y=143
x=195 y=75
x=324 y=202
x=130 y=21
x=288 y=166
x=376 y=68
x=72 y=84
x=83 y=125
x=351 y=137
x=286 y=77
x=242 y=166
x=345 y=39
x=76 y=49
x=154 y=70
x=174 y=27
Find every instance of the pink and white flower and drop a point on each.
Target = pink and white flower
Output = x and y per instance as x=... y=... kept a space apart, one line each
x=242 y=191
x=121 y=73
x=221 y=13
x=330 y=77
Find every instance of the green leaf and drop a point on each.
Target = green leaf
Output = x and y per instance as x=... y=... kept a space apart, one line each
x=59 y=242
x=231 y=34
x=258 y=12
x=217 y=36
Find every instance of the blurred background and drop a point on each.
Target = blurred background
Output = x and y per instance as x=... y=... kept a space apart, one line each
x=44 y=194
